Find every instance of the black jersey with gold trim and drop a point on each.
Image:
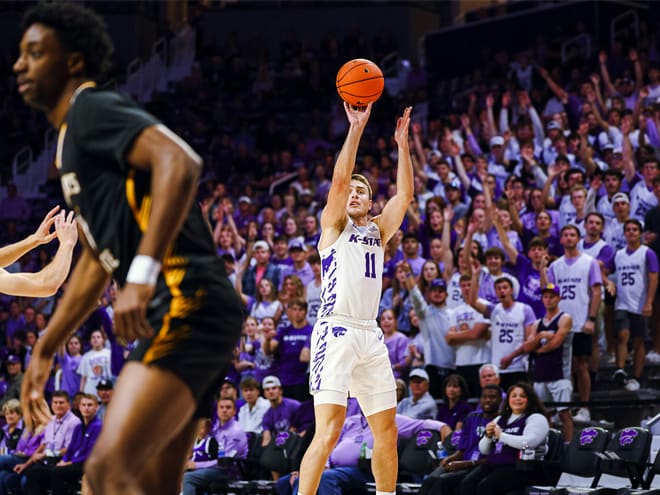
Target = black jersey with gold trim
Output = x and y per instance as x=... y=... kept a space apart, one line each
x=110 y=197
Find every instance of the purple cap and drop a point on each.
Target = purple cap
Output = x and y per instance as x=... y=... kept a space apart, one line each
x=438 y=283
x=13 y=359
x=551 y=288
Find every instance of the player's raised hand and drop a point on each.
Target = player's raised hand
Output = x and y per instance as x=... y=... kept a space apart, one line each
x=43 y=235
x=131 y=312
x=66 y=228
x=402 y=124
x=358 y=117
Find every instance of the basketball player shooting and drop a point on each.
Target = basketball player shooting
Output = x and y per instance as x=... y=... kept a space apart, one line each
x=348 y=350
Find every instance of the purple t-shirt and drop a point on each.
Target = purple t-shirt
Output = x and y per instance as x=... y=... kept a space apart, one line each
x=69 y=365
x=454 y=415
x=397 y=348
x=291 y=341
x=530 y=285
x=473 y=428
x=278 y=418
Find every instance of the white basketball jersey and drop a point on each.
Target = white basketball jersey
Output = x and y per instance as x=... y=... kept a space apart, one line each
x=631 y=279
x=474 y=351
x=573 y=281
x=507 y=334
x=604 y=207
x=594 y=250
x=614 y=234
x=567 y=211
x=352 y=273
x=313 y=297
x=641 y=200
x=454 y=295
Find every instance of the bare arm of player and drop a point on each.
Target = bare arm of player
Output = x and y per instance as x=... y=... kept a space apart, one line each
x=650 y=294
x=174 y=168
x=594 y=303
x=473 y=298
x=563 y=329
x=87 y=283
x=333 y=217
x=395 y=209
x=43 y=235
x=46 y=281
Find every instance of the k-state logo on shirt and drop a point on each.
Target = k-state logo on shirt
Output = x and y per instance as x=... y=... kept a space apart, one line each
x=423 y=438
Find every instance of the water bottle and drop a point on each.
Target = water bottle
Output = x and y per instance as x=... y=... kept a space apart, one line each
x=527 y=453
x=363 y=450
x=440 y=452
x=221 y=452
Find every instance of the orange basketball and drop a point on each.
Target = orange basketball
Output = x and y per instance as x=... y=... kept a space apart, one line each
x=359 y=82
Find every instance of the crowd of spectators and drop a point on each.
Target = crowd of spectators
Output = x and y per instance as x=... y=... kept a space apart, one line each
x=531 y=153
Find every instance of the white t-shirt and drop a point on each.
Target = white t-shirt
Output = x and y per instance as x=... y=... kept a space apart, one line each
x=96 y=366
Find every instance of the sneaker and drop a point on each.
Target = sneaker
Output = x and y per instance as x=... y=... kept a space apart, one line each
x=620 y=376
x=583 y=416
x=653 y=358
x=632 y=385
x=609 y=358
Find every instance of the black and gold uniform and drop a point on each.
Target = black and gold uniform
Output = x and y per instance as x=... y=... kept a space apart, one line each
x=195 y=311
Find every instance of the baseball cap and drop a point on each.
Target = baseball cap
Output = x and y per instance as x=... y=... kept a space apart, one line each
x=617 y=150
x=306 y=192
x=551 y=288
x=620 y=197
x=496 y=141
x=435 y=153
x=454 y=184
x=229 y=381
x=419 y=373
x=297 y=244
x=245 y=199
x=104 y=385
x=553 y=124
x=271 y=381
x=13 y=359
x=261 y=245
x=438 y=283
x=607 y=146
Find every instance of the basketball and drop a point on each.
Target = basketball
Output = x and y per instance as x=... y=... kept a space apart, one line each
x=359 y=82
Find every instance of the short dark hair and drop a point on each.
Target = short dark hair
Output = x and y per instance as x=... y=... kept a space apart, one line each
x=78 y=29
x=538 y=242
x=635 y=222
x=500 y=280
x=62 y=394
x=495 y=251
x=567 y=227
x=597 y=215
x=249 y=382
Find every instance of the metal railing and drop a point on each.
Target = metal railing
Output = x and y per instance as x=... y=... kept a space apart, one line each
x=581 y=42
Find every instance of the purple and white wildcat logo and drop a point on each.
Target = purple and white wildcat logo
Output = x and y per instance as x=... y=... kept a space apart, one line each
x=587 y=436
x=338 y=331
x=281 y=438
x=423 y=438
x=627 y=436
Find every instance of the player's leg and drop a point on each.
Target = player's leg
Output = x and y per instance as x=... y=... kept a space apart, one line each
x=384 y=461
x=163 y=472
x=332 y=360
x=375 y=389
x=329 y=421
x=151 y=407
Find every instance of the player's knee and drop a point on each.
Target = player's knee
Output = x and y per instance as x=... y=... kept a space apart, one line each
x=327 y=438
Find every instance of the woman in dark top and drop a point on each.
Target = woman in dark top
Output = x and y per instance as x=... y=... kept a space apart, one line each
x=454 y=394
x=521 y=426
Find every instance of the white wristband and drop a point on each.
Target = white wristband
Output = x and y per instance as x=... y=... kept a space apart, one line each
x=144 y=270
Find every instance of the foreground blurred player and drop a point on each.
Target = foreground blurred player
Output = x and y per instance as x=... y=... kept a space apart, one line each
x=45 y=282
x=348 y=351
x=131 y=182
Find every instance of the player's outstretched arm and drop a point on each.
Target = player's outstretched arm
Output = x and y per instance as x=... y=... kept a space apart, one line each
x=334 y=214
x=395 y=209
x=87 y=283
x=175 y=168
x=46 y=282
x=43 y=235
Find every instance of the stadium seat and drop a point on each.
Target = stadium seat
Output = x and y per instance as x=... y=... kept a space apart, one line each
x=419 y=453
x=281 y=455
x=579 y=459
